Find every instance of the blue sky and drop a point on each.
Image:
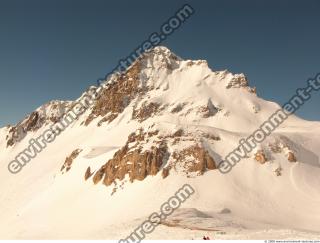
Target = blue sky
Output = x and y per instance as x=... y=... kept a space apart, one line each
x=56 y=49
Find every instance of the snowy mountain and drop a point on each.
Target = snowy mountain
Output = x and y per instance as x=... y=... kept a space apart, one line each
x=162 y=123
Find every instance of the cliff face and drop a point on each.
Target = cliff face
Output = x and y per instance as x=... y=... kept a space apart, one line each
x=117 y=96
x=45 y=115
x=148 y=152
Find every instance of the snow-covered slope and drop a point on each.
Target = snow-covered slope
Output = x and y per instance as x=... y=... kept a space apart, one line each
x=176 y=119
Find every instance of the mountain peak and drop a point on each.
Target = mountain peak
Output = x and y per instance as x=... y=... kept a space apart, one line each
x=159 y=57
x=162 y=122
x=161 y=49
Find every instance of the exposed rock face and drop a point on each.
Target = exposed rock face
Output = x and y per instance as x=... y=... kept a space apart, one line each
x=165 y=172
x=191 y=63
x=208 y=110
x=278 y=146
x=124 y=88
x=178 y=107
x=49 y=113
x=284 y=145
x=240 y=80
x=11 y=139
x=69 y=160
x=146 y=153
x=196 y=159
x=145 y=111
x=31 y=123
x=211 y=136
x=160 y=58
x=291 y=157
x=88 y=174
x=132 y=161
x=260 y=157
x=117 y=96
x=136 y=164
x=278 y=171
x=98 y=176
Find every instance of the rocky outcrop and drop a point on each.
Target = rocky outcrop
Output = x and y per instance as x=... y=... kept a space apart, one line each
x=146 y=153
x=131 y=160
x=116 y=96
x=98 y=176
x=31 y=123
x=136 y=164
x=194 y=159
x=88 y=174
x=122 y=88
x=49 y=113
x=69 y=160
x=260 y=157
x=178 y=107
x=208 y=110
x=291 y=157
x=240 y=81
x=278 y=171
x=165 y=172
x=284 y=145
x=146 y=111
x=280 y=145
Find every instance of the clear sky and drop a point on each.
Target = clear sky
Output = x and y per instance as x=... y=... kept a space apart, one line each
x=56 y=49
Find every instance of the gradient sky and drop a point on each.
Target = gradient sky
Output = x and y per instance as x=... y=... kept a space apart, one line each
x=56 y=49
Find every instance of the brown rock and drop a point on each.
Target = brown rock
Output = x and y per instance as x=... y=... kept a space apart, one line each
x=239 y=80
x=10 y=142
x=133 y=162
x=98 y=176
x=178 y=108
x=32 y=121
x=146 y=110
x=202 y=159
x=36 y=120
x=260 y=157
x=292 y=157
x=208 y=110
x=278 y=171
x=117 y=96
x=178 y=133
x=88 y=173
x=211 y=165
x=165 y=172
x=212 y=137
x=69 y=160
